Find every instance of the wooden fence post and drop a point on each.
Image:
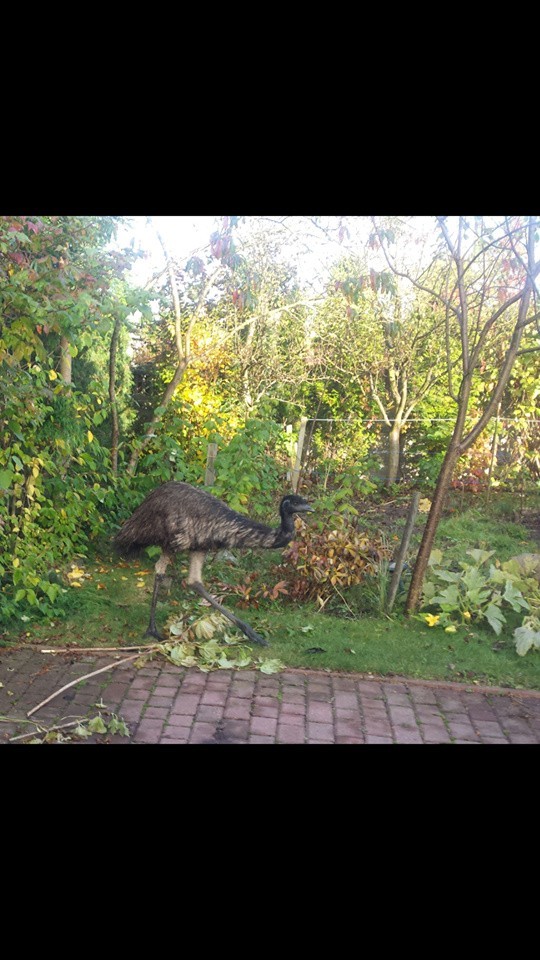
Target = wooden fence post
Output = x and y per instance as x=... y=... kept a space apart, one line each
x=402 y=552
x=210 y=475
x=296 y=470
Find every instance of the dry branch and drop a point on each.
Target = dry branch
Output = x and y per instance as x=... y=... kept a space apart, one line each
x=94 y=673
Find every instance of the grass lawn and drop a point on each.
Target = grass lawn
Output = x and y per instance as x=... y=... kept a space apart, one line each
x=111 y=608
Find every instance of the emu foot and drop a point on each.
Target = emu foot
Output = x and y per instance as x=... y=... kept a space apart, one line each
x=255 y=637
x=154 y=632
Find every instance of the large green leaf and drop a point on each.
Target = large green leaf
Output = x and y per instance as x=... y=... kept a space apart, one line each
x=527 y=636
x=514 y=597
x=495 y=618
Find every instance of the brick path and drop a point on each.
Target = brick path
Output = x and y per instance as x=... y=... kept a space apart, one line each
x=168 y=705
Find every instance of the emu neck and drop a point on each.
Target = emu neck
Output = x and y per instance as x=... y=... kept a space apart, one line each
x=285 y=532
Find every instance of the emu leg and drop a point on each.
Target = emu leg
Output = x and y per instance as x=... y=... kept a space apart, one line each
x=195 y=581
x=160 y=568
x=244 y=627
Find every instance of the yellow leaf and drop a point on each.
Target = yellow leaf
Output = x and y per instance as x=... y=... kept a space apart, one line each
x=140 y=584
x=76 y=584
x=90 y=436
x=76 y=574
x=16 y=562
x=53 y=375
x=424 y=506
x=432 y=620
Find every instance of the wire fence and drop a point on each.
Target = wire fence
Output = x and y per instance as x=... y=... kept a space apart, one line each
x=506 y=456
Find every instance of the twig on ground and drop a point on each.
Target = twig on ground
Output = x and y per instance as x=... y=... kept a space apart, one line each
x=73 y=649
x=94 y=673
x=42 y=731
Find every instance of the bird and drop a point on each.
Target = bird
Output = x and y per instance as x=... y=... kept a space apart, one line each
x=179 y=517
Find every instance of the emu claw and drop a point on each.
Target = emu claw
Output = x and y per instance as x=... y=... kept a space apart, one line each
x=154 y=633
x=256 y=638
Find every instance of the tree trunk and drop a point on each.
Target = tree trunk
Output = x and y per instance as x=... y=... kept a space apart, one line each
x=65 y=360
x=392 y=471
x=166 y=399
x=437 y=504
x=112 y=396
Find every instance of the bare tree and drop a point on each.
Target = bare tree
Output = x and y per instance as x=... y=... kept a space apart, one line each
x=484 y=278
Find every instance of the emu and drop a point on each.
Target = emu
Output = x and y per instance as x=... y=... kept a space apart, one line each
x=179 y=517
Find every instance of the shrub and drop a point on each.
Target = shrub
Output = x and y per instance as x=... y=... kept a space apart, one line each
x=318 y=564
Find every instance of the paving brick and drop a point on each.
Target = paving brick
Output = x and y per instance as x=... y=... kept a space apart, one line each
x=407 y=735
x=156 y=713
x=262 y=710
x=293 y=696
x=341 y=739
x=238 y=709
x=290 y=709
x=344 y=700
x=143 y=683
x=185 y=703
x=138 y=693
x=202 y=733
x=235 y=729
x=373 y=738
x=482 y=712
x=148 y=731
x=462 y=731
x=488 y=728
x=402 y=716
x=214 y=698
x=398 y=699
x=348 y=713
x=293 y=719
x=450 y=703
x=266 y=726
x=320 y=712
x=258 y=738
x=343 y=683
x=423 y=695
x=378 y=728
x=169 y=680
x=161 y=701
x=370 y=689
x=320 y=731
x=262 y=701
x=132 y=709
x=349 y=728
x=241 y=689
x=114 y=693
x=438 y=734
x=427 y=713
x=286 y=733
x=209 y=712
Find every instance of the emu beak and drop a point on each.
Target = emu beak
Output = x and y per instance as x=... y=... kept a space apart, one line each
x=305 y=508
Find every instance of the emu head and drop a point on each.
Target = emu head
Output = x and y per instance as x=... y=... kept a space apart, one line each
x=293 y=504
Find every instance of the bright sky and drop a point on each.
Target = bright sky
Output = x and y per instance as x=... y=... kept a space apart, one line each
x=182 y=235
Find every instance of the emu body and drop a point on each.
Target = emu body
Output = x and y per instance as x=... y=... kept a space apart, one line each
x=178 y=517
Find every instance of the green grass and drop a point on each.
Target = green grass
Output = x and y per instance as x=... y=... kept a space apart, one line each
x=112 y=607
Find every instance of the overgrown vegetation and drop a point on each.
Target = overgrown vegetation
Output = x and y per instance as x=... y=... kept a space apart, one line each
x=107 y=390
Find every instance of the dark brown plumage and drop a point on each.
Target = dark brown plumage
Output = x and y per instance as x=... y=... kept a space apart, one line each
x=179 y=517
